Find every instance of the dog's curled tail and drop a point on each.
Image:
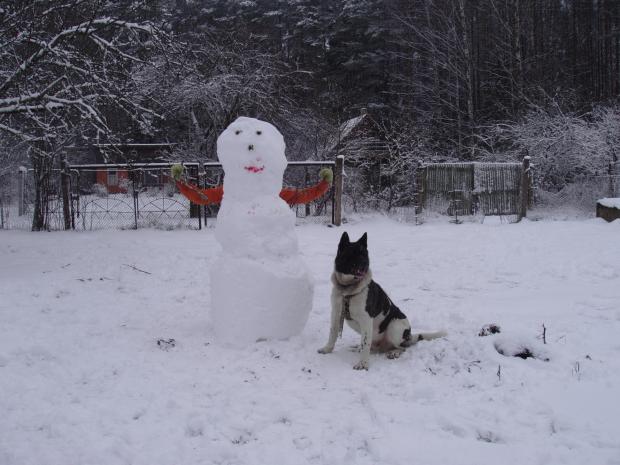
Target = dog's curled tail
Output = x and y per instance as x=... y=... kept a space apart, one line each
x=417 y=337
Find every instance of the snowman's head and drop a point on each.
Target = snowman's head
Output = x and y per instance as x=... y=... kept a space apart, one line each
x=252 y=155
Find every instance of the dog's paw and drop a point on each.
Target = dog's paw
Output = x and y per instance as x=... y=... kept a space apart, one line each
x=325 y=350
x=392 y=354
x=361 y=365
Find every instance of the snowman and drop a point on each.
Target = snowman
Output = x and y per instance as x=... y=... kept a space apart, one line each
x=260 y=287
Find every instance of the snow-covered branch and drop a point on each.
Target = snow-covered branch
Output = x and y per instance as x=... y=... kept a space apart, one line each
x=57 y=64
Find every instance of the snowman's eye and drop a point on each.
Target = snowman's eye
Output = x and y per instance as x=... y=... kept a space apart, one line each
x=259 y=132
x=238 y=131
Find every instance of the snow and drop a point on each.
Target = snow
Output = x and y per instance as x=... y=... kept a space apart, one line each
x=83 y=380
x=610 y=202
x=259 y=277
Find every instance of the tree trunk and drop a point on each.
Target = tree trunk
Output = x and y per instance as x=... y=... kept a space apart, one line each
x=42 y=163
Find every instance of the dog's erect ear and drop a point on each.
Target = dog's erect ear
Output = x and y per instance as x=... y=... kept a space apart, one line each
x=364 y=240
x=344 y=240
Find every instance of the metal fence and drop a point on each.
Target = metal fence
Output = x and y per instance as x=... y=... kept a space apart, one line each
x=124 y=196
x=129 y=197
x=581 y=194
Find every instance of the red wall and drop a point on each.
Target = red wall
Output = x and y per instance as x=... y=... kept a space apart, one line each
x=102 y=178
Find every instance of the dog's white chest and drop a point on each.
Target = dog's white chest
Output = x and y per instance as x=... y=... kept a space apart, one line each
x=355 y=305
x=354 y=309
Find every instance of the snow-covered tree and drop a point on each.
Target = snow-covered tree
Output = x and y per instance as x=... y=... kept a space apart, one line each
x=66 y=70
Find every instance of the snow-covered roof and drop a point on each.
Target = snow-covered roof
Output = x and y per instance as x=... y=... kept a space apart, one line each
x=610 y=202
x=345 y=130
x=349 y=125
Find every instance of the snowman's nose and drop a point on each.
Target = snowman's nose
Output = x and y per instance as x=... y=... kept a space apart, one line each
x=251 y=147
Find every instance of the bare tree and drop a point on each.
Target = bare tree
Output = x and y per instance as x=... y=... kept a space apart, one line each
x=440 y=83
x=223 y=78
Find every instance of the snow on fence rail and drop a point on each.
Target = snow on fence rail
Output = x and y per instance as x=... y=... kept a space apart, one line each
x=131 y=196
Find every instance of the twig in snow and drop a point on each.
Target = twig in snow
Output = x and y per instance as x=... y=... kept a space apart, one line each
x=499 y=372
x=137 y=269
x=474 y=363
x=544 y=334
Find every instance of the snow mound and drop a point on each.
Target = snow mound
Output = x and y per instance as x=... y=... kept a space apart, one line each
x=521 y=347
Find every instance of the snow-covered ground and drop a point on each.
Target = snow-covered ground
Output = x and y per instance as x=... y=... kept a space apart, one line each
x=84 y=381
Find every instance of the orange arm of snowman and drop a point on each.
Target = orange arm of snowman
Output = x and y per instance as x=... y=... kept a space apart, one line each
x=201 y=196
x=294 y=196
x=290 y=195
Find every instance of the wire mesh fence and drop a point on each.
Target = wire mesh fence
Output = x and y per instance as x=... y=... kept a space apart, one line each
x=133 y=196
x=122 y=196
x=581 y=194
x=129 y=197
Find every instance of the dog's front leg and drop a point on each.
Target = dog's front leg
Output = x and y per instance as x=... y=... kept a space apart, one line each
x=334 y=326
x=366 y=333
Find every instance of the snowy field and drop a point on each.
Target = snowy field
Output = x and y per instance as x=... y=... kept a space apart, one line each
x=84 y=381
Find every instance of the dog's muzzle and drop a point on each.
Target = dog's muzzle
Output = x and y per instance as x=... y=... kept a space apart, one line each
x=346 y=279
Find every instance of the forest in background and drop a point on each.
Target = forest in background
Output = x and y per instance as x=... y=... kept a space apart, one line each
x=443 y=79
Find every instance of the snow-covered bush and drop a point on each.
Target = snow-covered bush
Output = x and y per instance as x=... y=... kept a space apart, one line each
x=563 y=147
x=100 y=190
x=125 y=184
x=570 y=153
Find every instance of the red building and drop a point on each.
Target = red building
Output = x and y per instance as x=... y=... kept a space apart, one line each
x=119 y=158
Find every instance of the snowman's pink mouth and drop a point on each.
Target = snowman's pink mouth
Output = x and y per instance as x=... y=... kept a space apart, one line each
x=254 y=169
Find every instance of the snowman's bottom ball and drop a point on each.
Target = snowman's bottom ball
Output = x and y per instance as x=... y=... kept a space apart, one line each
x=253 y=300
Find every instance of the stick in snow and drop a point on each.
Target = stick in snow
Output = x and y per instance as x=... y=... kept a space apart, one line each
x=137 y=269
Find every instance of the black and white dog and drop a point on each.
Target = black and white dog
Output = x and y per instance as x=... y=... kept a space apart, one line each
x=366 y=307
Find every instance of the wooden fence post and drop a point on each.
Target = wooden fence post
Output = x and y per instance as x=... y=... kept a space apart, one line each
x=21 y=191
x=338 y=188
x=610 y=173
x=420 y=180
x=525 y=188
x=65 y=183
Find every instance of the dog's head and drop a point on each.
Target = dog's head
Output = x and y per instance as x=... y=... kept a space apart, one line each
x=352 y=259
